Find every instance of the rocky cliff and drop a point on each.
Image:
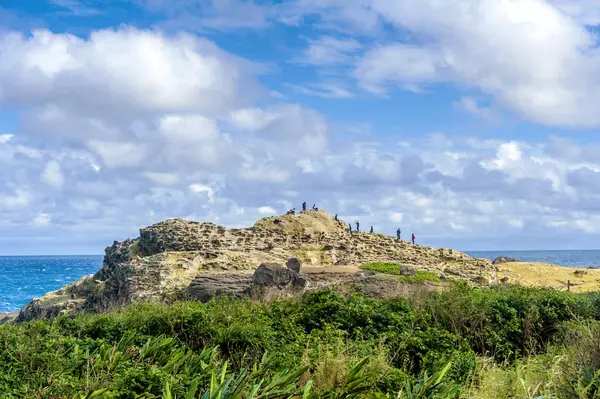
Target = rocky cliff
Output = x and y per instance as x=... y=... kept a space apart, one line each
x=178 y=259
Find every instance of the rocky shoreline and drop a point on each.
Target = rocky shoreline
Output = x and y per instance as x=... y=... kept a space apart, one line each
x=184 y=260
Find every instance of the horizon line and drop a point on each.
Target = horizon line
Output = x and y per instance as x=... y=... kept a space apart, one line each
x=460 y=250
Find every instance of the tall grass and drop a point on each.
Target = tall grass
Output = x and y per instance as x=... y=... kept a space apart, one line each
x=504 y=342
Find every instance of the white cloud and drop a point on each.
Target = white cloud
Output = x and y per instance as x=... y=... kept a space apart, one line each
x=117 y=154
x=163 y=179
x=328 y=50
x=53 y=175
x=5 y=138
x=267 y=210
x=76 y=7
x=405 y=65
x=148 y=71
x=200 y=188
x=188 y=129
x=15 y=200
x=396 y=217
x=470 y=105
x=527 y=54
x=251 y=118
x=324 y=90
x=516 y=223
x=43 y=219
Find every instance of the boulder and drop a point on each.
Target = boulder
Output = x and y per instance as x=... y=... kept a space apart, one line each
x=294 y=264
x=206 y=286
x=503 y=259
x=407 y=271
x=273 y=274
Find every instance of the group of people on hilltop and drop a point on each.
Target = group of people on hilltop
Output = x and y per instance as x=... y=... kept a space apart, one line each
x=293 y=210
x=398 y=232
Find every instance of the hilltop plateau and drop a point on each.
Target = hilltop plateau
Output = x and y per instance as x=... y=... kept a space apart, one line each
x=178 y=259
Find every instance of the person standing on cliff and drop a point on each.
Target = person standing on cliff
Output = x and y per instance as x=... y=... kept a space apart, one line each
x=413 y=238
x=357 y=226
x=371 y=230
x=336 y=217
x=304 y=206
x=349 y=227
x=398 y=232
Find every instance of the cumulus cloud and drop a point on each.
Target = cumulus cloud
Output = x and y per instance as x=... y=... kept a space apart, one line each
x=130 y=127
x=148 y=72
x=544 y=64
x=52 y=174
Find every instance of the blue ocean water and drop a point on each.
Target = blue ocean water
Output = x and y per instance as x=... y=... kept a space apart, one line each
x=23 y=278
x=569 y=258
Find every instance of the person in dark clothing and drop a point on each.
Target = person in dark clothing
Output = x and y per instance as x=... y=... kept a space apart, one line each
x=357 y=226
x=315 y=207
x=349 y=227
x=336 y=217
x=371 y=230
x=398 y=232
x=304 y=206
x=413 y=238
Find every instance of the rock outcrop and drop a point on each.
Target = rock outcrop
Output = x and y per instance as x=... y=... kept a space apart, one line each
x=503 y=259
x=179 y=259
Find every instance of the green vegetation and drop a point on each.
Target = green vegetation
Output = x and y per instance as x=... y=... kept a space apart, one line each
x=464 y=342
x=419 y=277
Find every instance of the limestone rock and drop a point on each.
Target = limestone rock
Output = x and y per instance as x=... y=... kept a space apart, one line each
x=294 y=264
x=503 y=259
x=207 y=286
x=407 y=270
x=8 y=317
x=178 y=259
x=277 y=275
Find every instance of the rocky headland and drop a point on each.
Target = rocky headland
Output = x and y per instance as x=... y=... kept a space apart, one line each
x=278 y=257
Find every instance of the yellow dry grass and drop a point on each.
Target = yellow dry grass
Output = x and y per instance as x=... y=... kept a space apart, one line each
x=539 y=274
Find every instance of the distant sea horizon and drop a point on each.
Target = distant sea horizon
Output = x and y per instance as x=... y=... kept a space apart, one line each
x=24 y=277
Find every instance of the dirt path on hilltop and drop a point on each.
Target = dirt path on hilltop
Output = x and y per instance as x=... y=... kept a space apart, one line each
x=329 y=269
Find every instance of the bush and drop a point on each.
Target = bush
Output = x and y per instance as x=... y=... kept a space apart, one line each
x=419 y=277
x=514 y=341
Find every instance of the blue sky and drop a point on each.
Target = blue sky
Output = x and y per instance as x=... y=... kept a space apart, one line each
x=472 y=123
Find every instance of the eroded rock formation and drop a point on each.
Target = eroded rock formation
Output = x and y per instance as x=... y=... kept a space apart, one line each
x=179 y=259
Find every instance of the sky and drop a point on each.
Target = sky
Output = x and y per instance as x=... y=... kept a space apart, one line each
x=471 y=123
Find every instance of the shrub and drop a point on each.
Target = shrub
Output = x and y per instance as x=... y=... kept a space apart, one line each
x=419 y=277
x=500 y=342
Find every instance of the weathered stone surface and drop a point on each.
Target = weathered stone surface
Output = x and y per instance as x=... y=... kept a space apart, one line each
x=407 y=270
x=8 y=317
x=277 y=275
x=204 y=287
x=178 y=259
x=503 y=259
x=294 y=264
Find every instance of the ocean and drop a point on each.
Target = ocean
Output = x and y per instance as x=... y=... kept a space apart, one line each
x=23 y=278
